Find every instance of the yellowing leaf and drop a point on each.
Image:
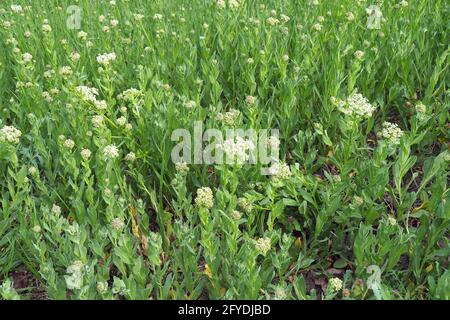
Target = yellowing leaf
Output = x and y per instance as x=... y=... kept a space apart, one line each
x=298 y=243
x=208 y=271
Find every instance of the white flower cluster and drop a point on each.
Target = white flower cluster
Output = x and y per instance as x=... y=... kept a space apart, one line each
x=56 y=209
x=106 y=58
x=182 y=167
x=280 y=172
x=69 y=144
x=263 y=245
x=236 y=215
x=204 y=198
x=356 y=106
x=90 y=95
x=250 y=100
x=130 y=157
x=117 y=224
x=131 y=95
x=111 y=152
x=65 y=71
x=10 y=134
x=245 y=205
x=359 y=54
x=27 y=58
x=391 y=133
x=85 y=154
x=190 y=104
x=335 y=284
x=272 y=21
x=237 y=149
x=233 y=4
x=97 y=121
x=229 y=118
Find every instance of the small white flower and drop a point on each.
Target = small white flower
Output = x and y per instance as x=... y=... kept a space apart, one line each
x=121 y=121
x=250 y=100
x=46 y=28
x=391 y=132
x=359 y=54
x=111 y=152
x=245 y=205
x=100 y=104
x=130 y=157
x=56 y=209
x=280 y=172
x=263 y=245
x=117 y=224
x=69 y=144
x=236 y=215
x=102 y=287
x=97 y=121
x=85 y=154
x=272 y=21
x=33 y=171
x=204 y=198
x=350 y=16
x=229 y=118
x=392 y=221
x=317 y=27
x=182 y=167
x=87 y=93
x=82 y=35
x=335 y=284
x=284 y=18
x=356 y=106
x=10 y=134
x=190 y=104
x=27 y=58
x=106 y=58
x=65 y=71
x=75 y=56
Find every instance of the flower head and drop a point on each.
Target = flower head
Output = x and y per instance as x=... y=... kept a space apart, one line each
x=204 y=198
x=10 y=134
x=85 y=154
x=106 y=58
x=182 y=167
x=117 y=224
x=263 y=245
x=69 y=144
x=391 y=132
x=280 y=172
x=111 y=152
x=356 y=106
x=335 y=284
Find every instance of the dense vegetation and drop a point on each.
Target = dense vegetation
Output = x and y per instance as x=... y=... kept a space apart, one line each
x=93 y=207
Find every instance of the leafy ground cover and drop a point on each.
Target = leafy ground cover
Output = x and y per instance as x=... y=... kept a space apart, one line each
x=93 y=207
